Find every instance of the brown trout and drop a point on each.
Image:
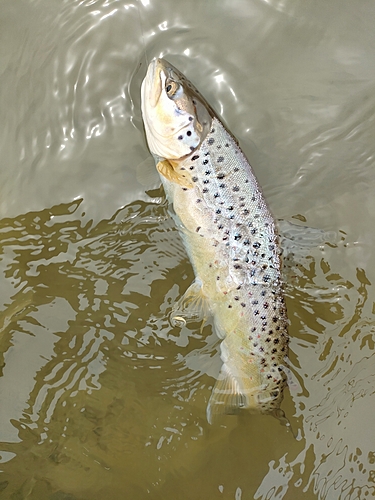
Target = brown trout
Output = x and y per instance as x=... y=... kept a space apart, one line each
x=230 y=236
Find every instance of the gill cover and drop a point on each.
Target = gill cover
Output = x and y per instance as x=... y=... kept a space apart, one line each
x=175 y=117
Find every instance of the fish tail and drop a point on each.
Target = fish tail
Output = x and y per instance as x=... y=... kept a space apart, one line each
x=226 y=397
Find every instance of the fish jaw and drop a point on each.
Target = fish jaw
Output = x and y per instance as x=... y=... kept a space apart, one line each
x=175 y=124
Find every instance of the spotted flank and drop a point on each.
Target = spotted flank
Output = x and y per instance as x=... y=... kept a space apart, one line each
x=230 y=236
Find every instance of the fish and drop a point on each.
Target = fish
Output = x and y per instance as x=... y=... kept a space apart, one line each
x=230 y=237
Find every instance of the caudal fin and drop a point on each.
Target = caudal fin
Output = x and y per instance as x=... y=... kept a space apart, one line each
x=226 y=396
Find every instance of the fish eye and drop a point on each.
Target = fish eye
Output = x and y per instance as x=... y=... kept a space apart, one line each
x=171 y=88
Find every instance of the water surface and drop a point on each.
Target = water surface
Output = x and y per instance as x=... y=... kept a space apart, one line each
x=100 y=396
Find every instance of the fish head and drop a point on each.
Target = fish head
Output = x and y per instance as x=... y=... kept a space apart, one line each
x=175 y=116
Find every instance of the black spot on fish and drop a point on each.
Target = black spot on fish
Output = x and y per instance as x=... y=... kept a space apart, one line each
x=205 y=162
x=253 y=329
x=191 y=118
x=236 y=169
x=212 y=131
x=255 y=302
x=188 y=133
x=246 y=242
x=227 y=145
x=191 y=168
x=195 y=157
x=199 y=200
x=253 y=231
x=218 y=211
x=204 y=190
x=206 y=181
x=217 y=277
x=216 y=195
x=265 y=305
x=180 y=137
x=236 y=188
x=266 y=278
x=256 y=312
x=220 y=159
x=237 y=266
x=184 y=189
x=246 y=212
x=230 y=207
x=207 y=172
x=198 y=228
x=229 y=307
x=211 y=140
x=192 y=148
x=220 y=227
x=243 y=304
x=256 y=244
x=194 y=179
x=253 y=198
x=237 y=236
x=220 y=176
x=236 y=298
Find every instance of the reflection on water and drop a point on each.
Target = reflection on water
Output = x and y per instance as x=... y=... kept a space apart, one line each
x=100 y=396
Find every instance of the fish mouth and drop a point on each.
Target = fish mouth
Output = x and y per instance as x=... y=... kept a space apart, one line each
x=154 y=80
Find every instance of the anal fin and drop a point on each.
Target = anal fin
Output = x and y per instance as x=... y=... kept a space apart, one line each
x=226 y=397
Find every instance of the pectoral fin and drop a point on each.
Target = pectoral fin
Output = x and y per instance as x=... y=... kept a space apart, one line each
x=191 y=307
x=226 y=397
x=177 y=176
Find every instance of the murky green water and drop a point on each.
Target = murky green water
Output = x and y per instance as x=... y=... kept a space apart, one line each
x=100 y=396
